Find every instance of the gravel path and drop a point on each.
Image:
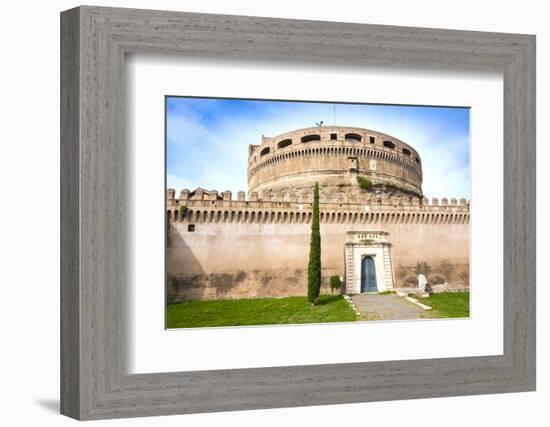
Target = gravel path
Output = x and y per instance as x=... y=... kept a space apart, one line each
x=386 y=307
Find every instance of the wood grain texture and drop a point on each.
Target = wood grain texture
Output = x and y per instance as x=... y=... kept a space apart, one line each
x=94 y=272
x=69 y=153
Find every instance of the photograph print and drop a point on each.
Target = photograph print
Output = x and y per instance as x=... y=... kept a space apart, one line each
x=296 y=212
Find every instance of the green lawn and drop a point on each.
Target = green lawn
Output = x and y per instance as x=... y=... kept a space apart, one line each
x=260 y=311
x=448 y=304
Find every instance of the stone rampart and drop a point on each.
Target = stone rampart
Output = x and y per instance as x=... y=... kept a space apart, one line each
x=292 y=207
x=240 y=248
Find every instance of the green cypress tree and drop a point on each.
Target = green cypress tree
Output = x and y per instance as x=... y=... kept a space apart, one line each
x=314 y=266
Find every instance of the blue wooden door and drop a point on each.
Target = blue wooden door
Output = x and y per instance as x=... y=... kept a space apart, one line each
x=368 y=275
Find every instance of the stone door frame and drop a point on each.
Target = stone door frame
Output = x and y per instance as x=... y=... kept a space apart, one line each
x=360 y=245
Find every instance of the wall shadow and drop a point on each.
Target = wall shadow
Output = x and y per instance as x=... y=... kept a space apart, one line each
x=52 y=405
x=178 y=283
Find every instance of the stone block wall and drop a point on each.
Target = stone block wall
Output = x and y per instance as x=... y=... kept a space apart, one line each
x=269 y=259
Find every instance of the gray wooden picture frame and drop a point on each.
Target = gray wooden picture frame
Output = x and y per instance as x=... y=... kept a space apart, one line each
x=94 y=382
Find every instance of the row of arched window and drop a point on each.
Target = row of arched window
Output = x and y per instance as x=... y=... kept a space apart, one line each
x=324 y=151
x=290 y=217
x=350 y=137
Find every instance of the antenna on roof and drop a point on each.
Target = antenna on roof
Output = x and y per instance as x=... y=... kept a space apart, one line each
x=319 y=123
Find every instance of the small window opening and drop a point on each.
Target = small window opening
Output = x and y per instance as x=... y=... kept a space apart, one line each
x=309 y=138
x=284 y=143
x=264 y=151
x=191 y=228
x=389 y=144
x=372 y=139
x=333 y=136
x=406 y=152
x=353 y=137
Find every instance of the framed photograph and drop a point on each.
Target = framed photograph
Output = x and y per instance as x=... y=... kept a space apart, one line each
x=261 y=213
x=386 y=250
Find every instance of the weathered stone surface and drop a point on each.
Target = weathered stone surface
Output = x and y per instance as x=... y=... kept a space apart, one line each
x=271 y=259
x=333 y=156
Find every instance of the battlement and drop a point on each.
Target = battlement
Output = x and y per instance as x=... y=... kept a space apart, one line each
x=296 y=207
x=187 y=197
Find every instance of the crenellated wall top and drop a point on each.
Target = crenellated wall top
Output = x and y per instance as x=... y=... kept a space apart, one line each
x=295 y=199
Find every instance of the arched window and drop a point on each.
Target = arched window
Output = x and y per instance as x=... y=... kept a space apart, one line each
x=309 y=138
x=284 y=143
x=389 y=144
x=406 y=152
x=264 y=151
x=353 y=137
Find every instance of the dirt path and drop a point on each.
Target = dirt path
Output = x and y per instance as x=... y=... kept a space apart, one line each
x=386 y=307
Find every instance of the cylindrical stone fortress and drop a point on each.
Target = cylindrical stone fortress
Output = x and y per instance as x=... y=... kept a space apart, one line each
x=333 y=156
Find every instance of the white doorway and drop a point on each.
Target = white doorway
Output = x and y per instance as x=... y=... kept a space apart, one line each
x=368 y=262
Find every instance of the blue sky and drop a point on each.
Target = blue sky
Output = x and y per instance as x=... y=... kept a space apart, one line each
x=207 y=139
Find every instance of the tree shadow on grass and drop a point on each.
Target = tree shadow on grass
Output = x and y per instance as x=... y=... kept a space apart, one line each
x=328 y=299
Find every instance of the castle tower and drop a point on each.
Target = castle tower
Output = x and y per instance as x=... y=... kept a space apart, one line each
x=334 y=156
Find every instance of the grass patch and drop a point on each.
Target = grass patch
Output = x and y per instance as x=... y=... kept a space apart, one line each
x=448 y=304
x=258 y=311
